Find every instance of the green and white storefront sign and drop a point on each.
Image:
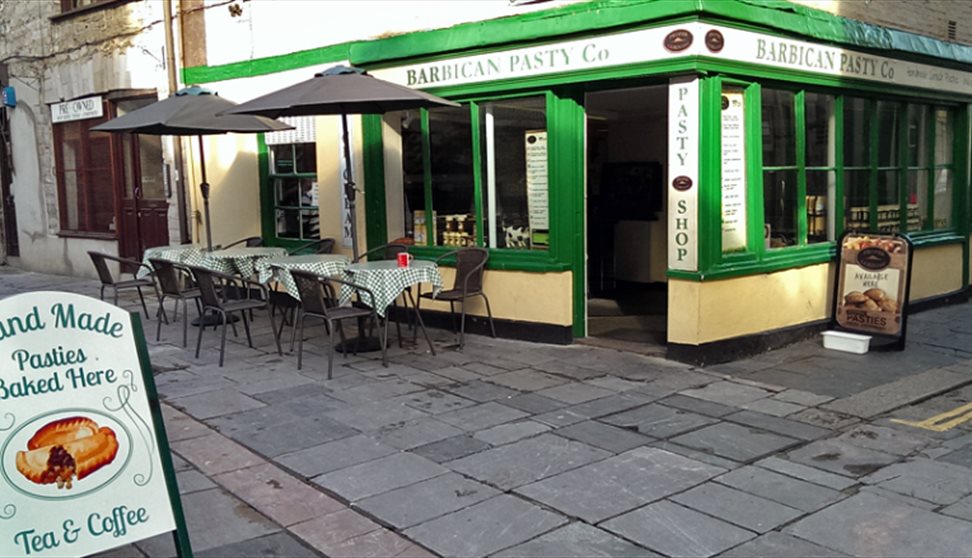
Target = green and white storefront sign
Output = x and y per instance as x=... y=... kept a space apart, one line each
x=84 y=463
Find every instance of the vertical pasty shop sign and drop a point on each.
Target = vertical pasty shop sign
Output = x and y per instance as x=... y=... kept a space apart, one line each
x=872 y=290
x=80 y=466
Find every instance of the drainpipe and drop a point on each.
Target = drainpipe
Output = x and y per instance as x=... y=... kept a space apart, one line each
x=170 y=64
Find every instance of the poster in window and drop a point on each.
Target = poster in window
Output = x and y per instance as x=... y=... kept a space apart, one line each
x=872 y=284
x=536 y=183
x=733 y=171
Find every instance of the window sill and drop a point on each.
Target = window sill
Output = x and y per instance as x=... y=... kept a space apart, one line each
x=89 y=235
x=499 y=259
x=90 y=8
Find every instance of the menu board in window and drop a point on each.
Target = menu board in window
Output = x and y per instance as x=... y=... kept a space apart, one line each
x=536 y=183
x=733 y=171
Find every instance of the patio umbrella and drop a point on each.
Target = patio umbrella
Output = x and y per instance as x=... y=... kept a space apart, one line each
x=193 y=111
x=341 y=90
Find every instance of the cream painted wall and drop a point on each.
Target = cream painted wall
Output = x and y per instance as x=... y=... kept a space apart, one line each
x=330 y=183
x=936 y=271
x=519 y=296
x=234 y=198
x=714 y=310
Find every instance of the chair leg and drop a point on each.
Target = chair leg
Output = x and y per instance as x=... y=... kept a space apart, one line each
x=116 y=296
x=462 y=326
x=222 y=342
x=246 y=328
x=330 y=349
x=398 y=325
x=160 y=316
x=276 y=334
x=300 y=343
x=452 y=315
x=199 y=336
x=102 y=295
x=420 y=324
x=298 y=313
x=340 y=327
x=142 y=298
x=384 y=338
x=489 y=314
x=185 y=320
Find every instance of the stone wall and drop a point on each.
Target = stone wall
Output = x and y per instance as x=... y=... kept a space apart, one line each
x=924 y=17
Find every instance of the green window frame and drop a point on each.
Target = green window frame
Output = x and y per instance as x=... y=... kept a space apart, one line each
x=940 y=159
x=292 y=192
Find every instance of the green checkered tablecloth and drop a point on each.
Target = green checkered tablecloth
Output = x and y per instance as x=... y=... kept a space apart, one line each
x=388 y=281
x=278 y=268
x=241 y=261
x=186 y=255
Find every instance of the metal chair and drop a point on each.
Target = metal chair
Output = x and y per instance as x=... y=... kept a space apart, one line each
x=222 y=307
x=319 y=299
x=288 y=305
x=470 y=268
x=322 y=246
x=101 y=260
x=249 y=242
x=173 y=280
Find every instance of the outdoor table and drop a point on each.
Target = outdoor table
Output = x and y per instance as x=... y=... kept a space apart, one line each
x=187 y=255
x=241 y=261
x=278 y=268
x=387 y=281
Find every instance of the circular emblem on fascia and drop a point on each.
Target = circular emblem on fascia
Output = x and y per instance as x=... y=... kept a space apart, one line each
x=678 y=40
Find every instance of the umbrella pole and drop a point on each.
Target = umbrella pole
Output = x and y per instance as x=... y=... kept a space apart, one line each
x=349 y=191
x=204 y=187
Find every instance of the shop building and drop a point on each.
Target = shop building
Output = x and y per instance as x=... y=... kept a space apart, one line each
x=666 y=172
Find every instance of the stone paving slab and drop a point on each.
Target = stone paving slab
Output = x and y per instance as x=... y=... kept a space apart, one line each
x=277 y=544
x=867 y=525
x=214 y=454
x=481 y=416
x=415 y=433
x=728 y=393
x=887 y=440
x=451 y=448
x=381 y=475
x=485 y=528
x=526 y=380
x=674 y=530
x=480 y=391
x=577 y=540
x=604 y=436
x=737 y=507
x=326 y=532
x=800 y=397
x=735 y=442
x=278 y=495
x=780 y=545
x=533 y=403
x=841 y=457
x=575 y=393
x=511 y=432
x=324 y=458
x=775 y=407
x=695 y=405
x=526 y=461
x=786 y=490
x=605 y=489
x=659 y=421
x=883 y=398
x=778 y=425
x=425 y=500
x=809 y=474
x=940 y=483
x=373 y=416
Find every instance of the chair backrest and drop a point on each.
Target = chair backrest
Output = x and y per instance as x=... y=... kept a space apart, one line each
x=470 y=262
x=168 y=276
x=322 y=246
x=101 y=266
x=314 y=295
x=207 y=287
x=392 y=250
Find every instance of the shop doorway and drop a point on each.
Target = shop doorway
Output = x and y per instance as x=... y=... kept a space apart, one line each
x=627 y=152
x=144 y=209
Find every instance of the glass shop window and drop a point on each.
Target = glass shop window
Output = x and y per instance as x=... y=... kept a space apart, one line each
x=452 y=187
x=944 y=167
x=514 y=170
x=85 y=178
x=779 y=168
x=293 y=177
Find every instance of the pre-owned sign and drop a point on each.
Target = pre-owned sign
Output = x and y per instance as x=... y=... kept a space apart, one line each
x=84 y=464
x=873 y=280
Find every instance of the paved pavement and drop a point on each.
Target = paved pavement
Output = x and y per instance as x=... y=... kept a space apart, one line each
x=519 y=449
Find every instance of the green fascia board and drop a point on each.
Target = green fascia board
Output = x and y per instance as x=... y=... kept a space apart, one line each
x=268 y=65
x=587 y=17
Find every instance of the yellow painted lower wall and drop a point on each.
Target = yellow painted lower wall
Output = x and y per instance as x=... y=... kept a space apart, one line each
x=703 y=312
x=518 y=295
x=936 y=271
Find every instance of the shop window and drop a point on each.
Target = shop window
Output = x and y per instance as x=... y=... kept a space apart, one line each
x=514 y=143
x=450 y=201
x=820 y=165
x=893 y=154
x=451 y=165
x=293 y=177
x=85 y=174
